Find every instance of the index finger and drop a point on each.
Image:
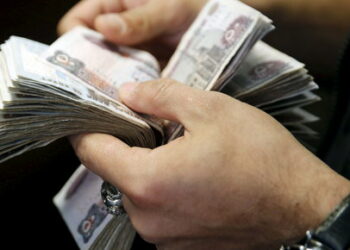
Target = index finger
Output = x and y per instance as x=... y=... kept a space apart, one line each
x=85 y=12
x=110 y=158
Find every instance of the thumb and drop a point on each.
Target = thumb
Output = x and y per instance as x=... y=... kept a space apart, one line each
x=168 y=99
x=135 y=25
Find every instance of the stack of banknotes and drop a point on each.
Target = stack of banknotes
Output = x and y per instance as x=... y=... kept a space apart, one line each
x=81 y=207
x=71 y=86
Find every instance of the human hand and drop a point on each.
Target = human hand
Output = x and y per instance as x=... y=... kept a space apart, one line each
x=236 y=180
x=156 y=25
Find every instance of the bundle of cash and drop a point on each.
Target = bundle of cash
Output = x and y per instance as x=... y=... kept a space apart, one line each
x=80 y=204
x=71 y=86
x=41 y=102
x=277 y=84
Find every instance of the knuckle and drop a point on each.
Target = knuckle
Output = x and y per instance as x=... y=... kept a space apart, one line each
x=137 y=25
x=143 y=189
x=150 y=238
x=61 y=26
x=148 y=234
x=161 y=90
x=145 y=194
x=147 y=227
x=215 y=100
x=210 y=106
x=81 y=146
x=219 y=102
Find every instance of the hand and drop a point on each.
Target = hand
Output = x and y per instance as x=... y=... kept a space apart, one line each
x=156 y=24
x=236 y=180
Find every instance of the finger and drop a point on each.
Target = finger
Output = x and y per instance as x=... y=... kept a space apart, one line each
x=129 y=206
x=135 y=25
x=112 y=159
x=165 y=98
x=85 y=12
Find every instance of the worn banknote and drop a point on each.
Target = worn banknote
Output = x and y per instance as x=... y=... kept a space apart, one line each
x=216 y=43
x=267 y=76
x=40 y=103
x=107 y=66
x=214 y=46
x=80 y=204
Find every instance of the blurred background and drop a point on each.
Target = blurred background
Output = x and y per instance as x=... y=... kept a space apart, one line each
x=28 y=182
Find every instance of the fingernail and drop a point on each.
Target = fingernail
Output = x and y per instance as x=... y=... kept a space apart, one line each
x=127 y=89
x=114 y=21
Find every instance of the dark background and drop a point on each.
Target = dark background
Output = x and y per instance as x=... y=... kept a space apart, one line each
x=28 y=182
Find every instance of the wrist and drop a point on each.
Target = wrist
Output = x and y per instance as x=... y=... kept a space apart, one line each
x=332 y=234
x=316 y=192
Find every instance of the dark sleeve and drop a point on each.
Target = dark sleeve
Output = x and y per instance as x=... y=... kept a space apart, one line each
x=338 y=139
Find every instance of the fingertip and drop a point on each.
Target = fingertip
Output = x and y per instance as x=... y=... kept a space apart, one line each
x=93 y=149
x=163 y=98
x=62 y=27
x=73 y=139
x=81 y=142
x=66 y=24
x=112 y=26
x=127 y=92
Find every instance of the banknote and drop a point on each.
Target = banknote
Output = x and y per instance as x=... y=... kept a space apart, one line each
x=119 y=65
x=296 y=116
x=268 y=76
x=263 y=66
x=80 y=204
x=25 y=62
x=300 y=100
x=205 y=61
x=33 y=87
x=276 y=83
x=200 y=58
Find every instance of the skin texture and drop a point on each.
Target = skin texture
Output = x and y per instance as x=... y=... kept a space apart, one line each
x=236 y=174
x=139 y=23
x=236 y=179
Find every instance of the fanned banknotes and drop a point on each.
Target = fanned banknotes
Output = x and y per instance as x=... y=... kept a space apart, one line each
x=71 y=86
x=80 y=204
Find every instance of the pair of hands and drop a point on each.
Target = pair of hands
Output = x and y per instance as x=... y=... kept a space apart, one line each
x=153 y=25
x=236 y=179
